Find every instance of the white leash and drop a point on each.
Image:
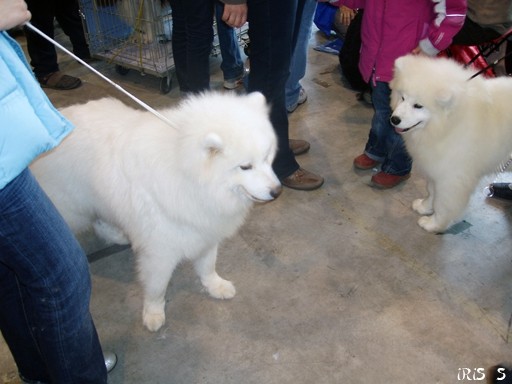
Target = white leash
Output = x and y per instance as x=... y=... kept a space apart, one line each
x=138 y=101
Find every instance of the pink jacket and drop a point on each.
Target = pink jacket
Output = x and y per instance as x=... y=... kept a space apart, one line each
x=393 y=28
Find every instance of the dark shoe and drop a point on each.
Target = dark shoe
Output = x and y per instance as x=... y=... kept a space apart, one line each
x=299 y=147
x=110 y=360
x=303 y=180
x=385 y=180
x=365 y=96
x=364 y=162
x=60 y=81
x=233 y=83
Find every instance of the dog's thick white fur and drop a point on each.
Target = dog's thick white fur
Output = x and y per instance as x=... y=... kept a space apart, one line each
x=456 y=130
x=173 y=192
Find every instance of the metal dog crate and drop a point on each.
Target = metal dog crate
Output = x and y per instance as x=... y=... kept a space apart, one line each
x=132 y=34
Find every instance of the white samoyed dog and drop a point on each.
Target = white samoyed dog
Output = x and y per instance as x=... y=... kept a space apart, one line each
x=173 y=192
x=456 y=128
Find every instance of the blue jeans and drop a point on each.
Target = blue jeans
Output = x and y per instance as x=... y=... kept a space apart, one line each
x=45 y=290
x=384 y=144
x=272 y=33
x=232 y=65
x=300 y=54
x=192 y=37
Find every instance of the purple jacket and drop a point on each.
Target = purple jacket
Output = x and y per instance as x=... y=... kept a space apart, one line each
x=393 y=28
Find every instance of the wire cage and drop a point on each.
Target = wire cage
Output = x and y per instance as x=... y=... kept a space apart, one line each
x=132 y=34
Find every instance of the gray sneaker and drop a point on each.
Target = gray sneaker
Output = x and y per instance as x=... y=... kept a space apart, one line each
x=303 y=96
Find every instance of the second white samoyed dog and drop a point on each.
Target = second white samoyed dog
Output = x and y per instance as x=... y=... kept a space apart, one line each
x=173 y=192
x=455 y=128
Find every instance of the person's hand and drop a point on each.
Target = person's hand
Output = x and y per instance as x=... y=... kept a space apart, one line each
x=418 y=51
x=13 y=13
x=347 y=15
x=235 y=15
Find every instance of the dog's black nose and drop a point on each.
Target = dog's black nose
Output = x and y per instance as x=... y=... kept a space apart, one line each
x=275 y=192
x=395 y=120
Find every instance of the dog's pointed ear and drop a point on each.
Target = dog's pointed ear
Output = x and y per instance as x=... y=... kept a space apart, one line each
x=399 y=64
x=213 y=144
x=445 y=97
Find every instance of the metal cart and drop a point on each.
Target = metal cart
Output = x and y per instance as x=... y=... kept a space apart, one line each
x=131 y=34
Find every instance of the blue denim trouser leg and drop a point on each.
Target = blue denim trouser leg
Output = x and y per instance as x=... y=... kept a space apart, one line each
x=271 y=32
x=192 y=37
x=45 y=291
x=232 y=65
x=300 y=54
x=384 y=144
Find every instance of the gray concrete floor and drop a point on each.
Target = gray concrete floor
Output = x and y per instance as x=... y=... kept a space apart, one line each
x=337 y=285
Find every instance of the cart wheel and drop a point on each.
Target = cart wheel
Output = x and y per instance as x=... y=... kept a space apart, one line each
x=165 y=84
x=122 y=70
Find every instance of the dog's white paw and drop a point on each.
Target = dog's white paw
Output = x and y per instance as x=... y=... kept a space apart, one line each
x=420 y=206
x=220 y=288
x=153 y=321
x=429 y=224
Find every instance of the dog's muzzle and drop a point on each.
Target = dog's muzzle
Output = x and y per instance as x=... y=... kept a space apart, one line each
x=395 y=121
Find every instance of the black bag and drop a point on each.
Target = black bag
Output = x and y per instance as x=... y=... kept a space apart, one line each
x=349 y=54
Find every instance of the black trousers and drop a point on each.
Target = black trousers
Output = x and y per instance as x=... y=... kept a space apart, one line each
x=43 y=54
x=192 y=37
x=273 y=30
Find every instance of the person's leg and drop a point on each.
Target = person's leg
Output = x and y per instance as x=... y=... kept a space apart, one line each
x=300 y=55
x=375 y=147
x=192 y=43
x=271 y=35
x=43 y=56
x=16 y=331
x=39 y=252
x=232 y=65
x=68 y=16
x=397 y=162
x=179 y=43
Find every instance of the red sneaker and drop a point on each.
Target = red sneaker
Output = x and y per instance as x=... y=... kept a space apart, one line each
x=385 y=180
x=364 y=162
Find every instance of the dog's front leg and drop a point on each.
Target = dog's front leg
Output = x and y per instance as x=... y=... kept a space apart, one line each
x=155 y=274
x=450 y=198
x=215 y=285
x=425 y=206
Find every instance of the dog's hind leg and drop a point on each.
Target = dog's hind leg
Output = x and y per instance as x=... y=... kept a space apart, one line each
x=215 y=285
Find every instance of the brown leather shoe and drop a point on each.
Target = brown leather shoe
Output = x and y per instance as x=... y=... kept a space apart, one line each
x=60 y=81
x=303 y=180
x=299 y=147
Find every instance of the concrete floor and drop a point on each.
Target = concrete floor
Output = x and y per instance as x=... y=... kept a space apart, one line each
x=337 y=285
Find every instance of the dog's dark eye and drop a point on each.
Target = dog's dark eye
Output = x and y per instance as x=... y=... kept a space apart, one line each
x=246 y=167
x=418 y=106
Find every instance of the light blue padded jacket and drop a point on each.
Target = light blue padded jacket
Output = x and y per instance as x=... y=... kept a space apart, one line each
x=29 y=123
